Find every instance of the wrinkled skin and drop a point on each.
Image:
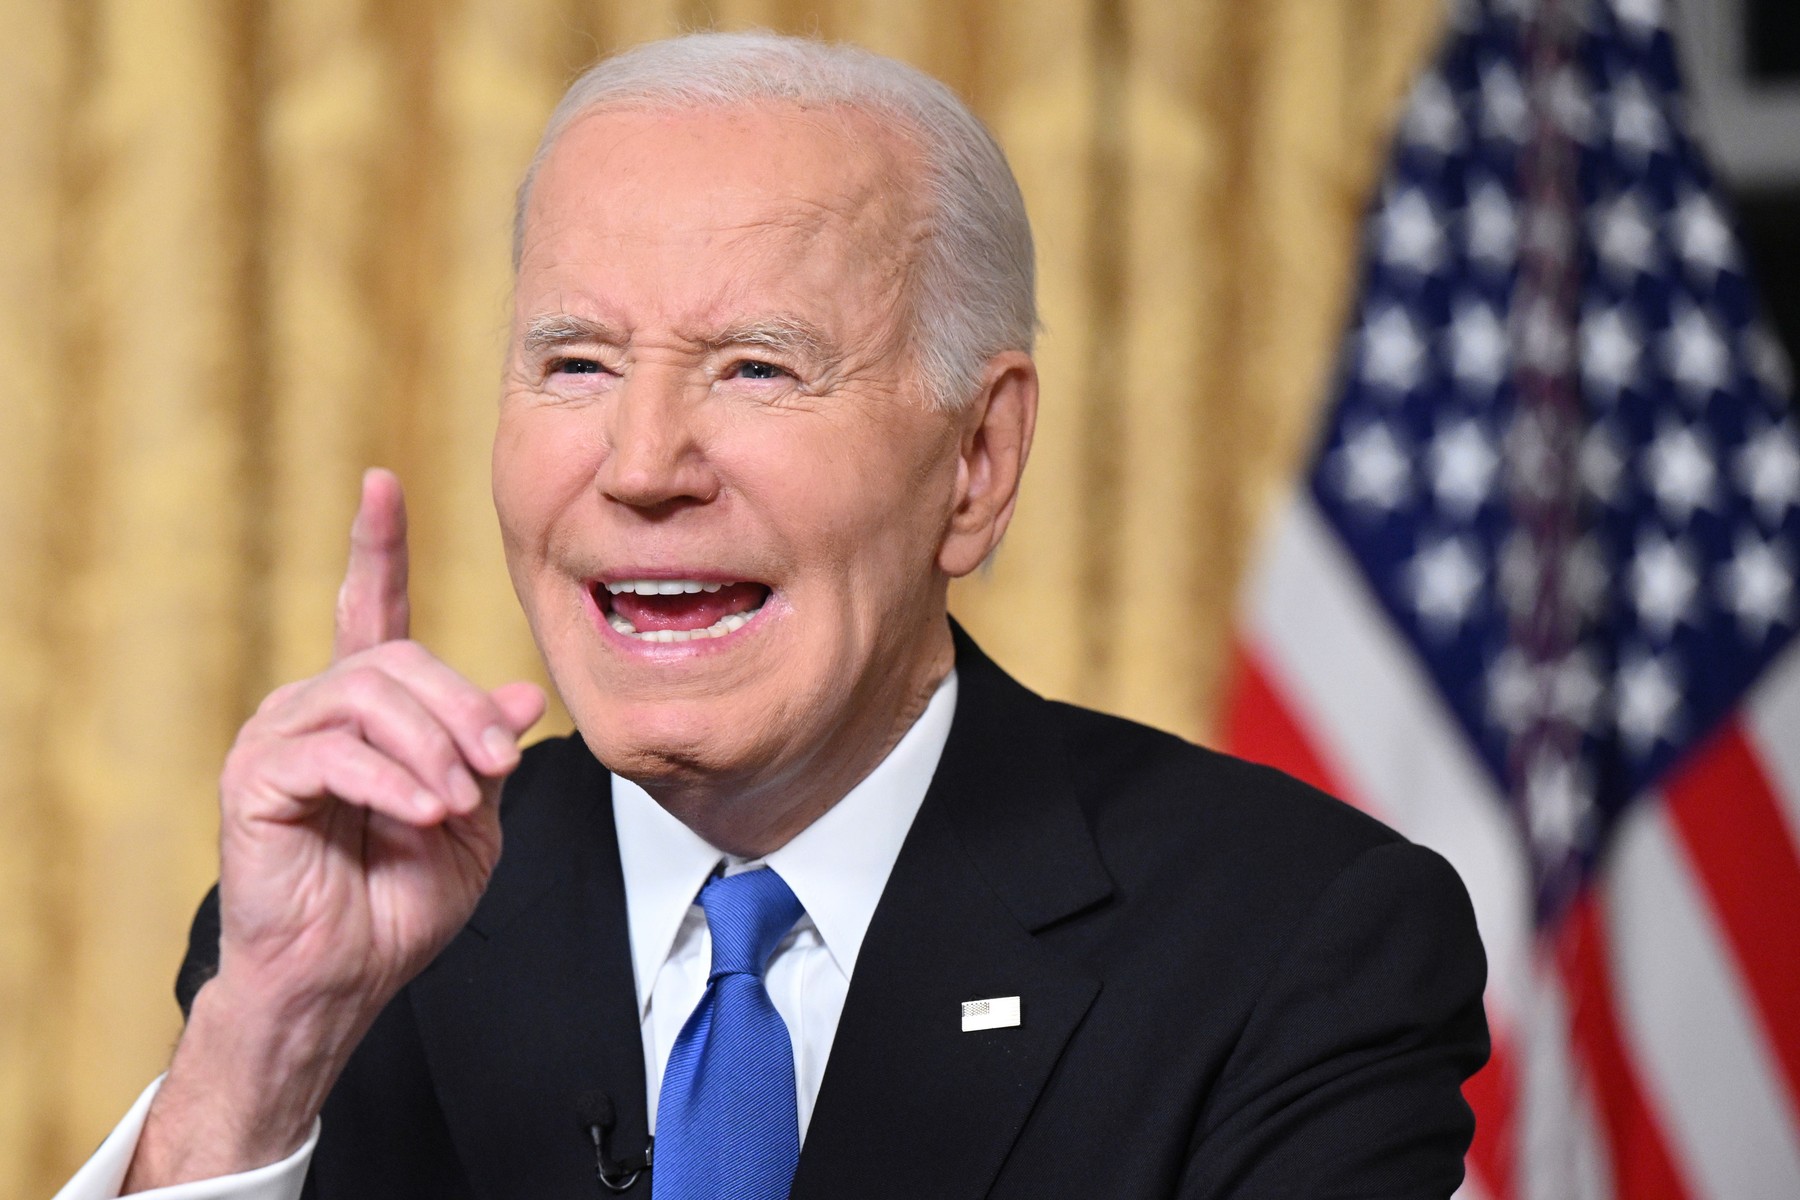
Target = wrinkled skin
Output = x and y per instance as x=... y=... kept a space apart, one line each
x=655 y=434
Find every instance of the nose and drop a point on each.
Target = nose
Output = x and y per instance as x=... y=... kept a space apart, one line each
x=655 y=458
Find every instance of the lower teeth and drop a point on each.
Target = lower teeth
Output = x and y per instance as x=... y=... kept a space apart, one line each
x=724 y=625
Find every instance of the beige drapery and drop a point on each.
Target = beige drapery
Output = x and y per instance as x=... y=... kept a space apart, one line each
x=249 y=247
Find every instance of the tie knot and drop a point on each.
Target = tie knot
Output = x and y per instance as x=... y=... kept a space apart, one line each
x=748 y=914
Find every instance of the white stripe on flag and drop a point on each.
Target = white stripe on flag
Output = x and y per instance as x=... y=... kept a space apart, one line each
x=1560 y=1133
x=1377 y=720
x=1772 y=726
x=1686 y=1020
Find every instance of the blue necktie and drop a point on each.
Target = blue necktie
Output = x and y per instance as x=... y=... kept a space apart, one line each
x=727 y=1123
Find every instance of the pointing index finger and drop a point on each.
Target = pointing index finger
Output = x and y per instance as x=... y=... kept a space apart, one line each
x=372 y=607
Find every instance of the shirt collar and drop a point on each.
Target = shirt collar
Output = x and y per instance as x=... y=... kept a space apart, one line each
x=837 y=866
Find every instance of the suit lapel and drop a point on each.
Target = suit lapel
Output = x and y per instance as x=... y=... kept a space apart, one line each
x=534 y=1003
x=911 y=1104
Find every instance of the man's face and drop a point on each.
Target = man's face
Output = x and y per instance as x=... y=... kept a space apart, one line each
x=710 y=396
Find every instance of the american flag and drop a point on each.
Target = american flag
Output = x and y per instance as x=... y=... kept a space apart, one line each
x=1534 y=605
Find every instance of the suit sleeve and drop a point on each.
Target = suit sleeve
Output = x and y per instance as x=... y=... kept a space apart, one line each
x=1346 y=1080
x=202 y=960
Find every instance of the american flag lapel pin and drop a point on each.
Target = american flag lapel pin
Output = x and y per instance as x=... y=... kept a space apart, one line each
x=999 y=1012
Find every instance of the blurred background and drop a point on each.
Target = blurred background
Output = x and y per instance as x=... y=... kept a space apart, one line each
x=252 y=246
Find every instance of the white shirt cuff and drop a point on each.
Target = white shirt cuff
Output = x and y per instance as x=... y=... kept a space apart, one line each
x=102 y=1175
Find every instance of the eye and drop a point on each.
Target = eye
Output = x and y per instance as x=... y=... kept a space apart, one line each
x=753 y=369
x=573 y=366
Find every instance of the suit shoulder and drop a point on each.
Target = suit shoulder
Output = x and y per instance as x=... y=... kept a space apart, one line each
x=557 y=794
x=1155 y=801
x=549 y=771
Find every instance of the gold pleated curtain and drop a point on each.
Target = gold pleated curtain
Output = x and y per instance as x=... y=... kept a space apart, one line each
x=247 y=248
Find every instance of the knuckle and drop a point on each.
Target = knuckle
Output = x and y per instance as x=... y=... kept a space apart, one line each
x=248 y=761
x=440 y=747
x=363 y=683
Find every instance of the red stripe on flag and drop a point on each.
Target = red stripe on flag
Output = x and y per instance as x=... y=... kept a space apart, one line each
x=1726 y=811
x=1260 y=726
x=1642 y=1166
x=1492 y=1092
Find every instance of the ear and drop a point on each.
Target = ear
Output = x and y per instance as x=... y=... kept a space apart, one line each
x=994 y=441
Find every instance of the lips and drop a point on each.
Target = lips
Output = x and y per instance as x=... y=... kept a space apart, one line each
x=678 y=610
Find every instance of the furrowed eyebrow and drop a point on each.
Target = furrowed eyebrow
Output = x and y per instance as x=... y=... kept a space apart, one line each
x=784 y=335
x=554 y=330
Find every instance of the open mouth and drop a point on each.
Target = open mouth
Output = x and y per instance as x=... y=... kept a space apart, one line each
x=678 y=610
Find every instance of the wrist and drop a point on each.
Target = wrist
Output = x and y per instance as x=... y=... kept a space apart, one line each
x=246 y=1084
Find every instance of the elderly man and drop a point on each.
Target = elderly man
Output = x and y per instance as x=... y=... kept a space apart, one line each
x=817 y=895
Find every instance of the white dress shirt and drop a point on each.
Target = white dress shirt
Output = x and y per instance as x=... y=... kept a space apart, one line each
x=837 y=868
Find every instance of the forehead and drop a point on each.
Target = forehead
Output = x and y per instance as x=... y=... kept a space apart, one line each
x=772 y=189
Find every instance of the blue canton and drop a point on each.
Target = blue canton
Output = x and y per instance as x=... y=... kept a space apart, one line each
x=1561 y=450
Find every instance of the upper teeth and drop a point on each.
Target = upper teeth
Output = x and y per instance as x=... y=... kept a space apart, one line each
x=661 y=587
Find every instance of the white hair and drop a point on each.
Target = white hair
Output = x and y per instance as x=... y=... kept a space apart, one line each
x=976 y=281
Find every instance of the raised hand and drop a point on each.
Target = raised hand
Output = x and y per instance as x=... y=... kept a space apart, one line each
x=358 y=826
x=359 y=822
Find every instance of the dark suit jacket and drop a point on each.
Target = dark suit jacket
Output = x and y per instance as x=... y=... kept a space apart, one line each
x=1232 y=985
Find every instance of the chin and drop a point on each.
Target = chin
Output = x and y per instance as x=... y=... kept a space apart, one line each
x=671 y=742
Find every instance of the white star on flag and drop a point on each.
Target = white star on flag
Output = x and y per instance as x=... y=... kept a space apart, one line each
x=1637 y=122
x=1536 y=444
x=1393 y=350
x=1576 y=689
x=1625 y=236
x=1663 y=583
x=1768 y=467
x=1643 y=17
x=1697 y=356
x=1462 y=462
x=1374 y=469
x=1558 y=800
x=1610 y=352
x=1602 y=463
x=1411 y=233
x=1585 y=576
x=1572 y=105
x=1432 y=120
x=1702 y=237
x=1758 y=586
x=1512 y=690
x=1681 y=472
x=1545 y=341
x=1445 y=578
x=1478 y=346
x=1504 y=110
x=1491 y=227
x=1649 y=701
